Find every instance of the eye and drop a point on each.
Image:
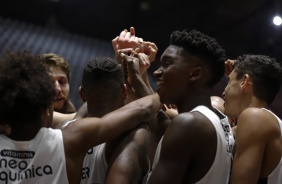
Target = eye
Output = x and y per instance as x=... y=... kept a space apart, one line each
x=63 y=82
x=165 y=64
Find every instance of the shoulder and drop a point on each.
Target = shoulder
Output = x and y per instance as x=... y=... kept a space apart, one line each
x=254 y=113
x=192 y=122
x=136 y=139
x=191 y=129
x=257 y=122
x=256 y=118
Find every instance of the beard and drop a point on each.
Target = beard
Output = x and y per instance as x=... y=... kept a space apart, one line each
x=64 y=107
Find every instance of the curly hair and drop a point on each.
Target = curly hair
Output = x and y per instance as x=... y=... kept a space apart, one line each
x=202 y=46
x=26 y=88
x=56 y=60
x=103 y=73
x=265 y=72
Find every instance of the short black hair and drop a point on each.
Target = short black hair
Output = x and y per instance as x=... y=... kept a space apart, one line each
x=103 y=74
x=265 y=72
x=26 y=88
x=202 y=46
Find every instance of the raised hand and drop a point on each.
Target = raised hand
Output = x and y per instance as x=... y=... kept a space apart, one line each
x=229 y=66
x=127 y=51
x=148 y=48
x=144 y=62
x=126 y=40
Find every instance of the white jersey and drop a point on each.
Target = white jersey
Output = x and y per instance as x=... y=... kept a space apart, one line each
x=40 y=160
x=219 y=171
x=275 y=176
x=94 y=166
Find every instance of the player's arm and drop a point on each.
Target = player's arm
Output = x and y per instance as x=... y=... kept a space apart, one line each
x=251 y=139
x=89 y=132
x=60 y=118
x=130 y=159
x=178 y=149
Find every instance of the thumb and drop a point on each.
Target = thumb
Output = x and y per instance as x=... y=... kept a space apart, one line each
x=152 y=53
x=115 y=43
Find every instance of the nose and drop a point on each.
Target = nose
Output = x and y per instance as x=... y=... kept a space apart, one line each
x=57 y=86
x=223 y=95
x=158 y=73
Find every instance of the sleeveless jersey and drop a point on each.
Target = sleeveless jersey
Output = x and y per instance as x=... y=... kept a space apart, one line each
x=275 y=176
x=219 y=171
x=94 y=166
x=40 y=160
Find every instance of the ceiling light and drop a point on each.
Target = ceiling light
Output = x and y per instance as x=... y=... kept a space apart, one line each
x=277 y=20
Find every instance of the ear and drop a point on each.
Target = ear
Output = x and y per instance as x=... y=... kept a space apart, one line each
x=124 y=92
x=47 y=112
x=81 y=93
x=246 y=81
x=47 y=116
x=195 y=74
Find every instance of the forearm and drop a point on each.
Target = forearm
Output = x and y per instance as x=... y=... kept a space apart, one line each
x=140 y=87
x=151 y=102
x=147 y=82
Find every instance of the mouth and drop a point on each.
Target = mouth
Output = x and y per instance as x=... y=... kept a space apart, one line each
x=159 y=83
x=58 y=103
x=58 y=99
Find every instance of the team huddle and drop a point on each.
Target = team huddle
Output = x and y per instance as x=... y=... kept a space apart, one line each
x=128 y=132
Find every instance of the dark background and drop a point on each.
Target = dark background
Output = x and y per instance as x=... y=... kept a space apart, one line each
x=240 y=26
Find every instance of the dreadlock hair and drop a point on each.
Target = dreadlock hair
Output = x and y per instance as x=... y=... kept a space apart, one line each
x=26 y=88
x=265 y=72
x=102 y=76
x=204 y=47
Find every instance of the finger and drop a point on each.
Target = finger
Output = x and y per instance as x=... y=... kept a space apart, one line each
x=126 y=51
x=142 y=58
x=127 y=35
x=115 y=43
x=140 y=40
x=137 y=50
x=123 y=56
x=132 y=31
x=124 y=63
x=164 y=107
x=136 y=39
x=154 y=46
x=132 y=38
x=173 y=106
x=152 y=53
x=228 y=67
x=134 y=54
x=118 y=57
x=122 y=34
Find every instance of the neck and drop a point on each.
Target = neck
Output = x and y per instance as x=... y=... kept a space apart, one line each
x=189 y=102
x=25 y=132
x=254 y=102
x=99 y=110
